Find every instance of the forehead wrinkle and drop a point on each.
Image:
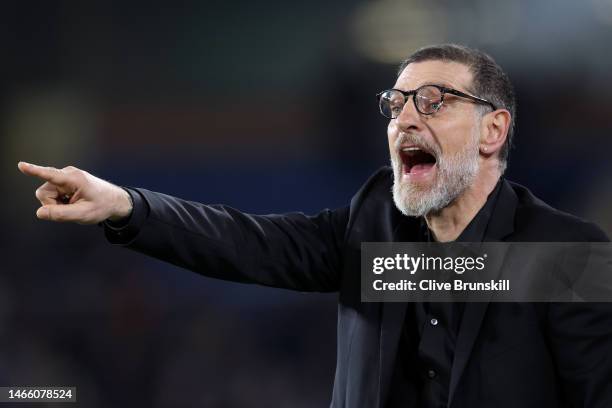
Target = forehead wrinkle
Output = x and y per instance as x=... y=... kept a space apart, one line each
x=442 y=83
x=434 y=73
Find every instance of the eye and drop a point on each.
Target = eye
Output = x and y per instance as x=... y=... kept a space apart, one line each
x=429 y=105
x=396 y=109
x=429 y=99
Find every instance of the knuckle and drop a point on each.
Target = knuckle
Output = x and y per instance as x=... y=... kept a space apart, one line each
x=71 y=170
x=51 y=215
x=55 y=173
x=73 y=178
x=55 y=215
x=78 y=179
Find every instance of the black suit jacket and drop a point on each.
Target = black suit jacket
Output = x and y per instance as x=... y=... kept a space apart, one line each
x=507 y=354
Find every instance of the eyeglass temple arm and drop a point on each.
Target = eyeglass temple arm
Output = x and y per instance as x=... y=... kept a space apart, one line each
x=472 y=97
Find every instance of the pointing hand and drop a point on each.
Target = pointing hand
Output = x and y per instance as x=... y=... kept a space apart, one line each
x=74 y=195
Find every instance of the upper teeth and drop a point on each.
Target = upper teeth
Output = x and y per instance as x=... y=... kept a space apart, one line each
x=410 y=149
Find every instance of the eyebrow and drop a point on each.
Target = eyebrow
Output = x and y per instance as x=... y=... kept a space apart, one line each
x=442 y=84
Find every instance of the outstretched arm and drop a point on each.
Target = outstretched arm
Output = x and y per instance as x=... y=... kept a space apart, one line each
x=293 y=251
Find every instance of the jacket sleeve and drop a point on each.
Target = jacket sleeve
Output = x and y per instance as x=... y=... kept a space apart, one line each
x=292 y=251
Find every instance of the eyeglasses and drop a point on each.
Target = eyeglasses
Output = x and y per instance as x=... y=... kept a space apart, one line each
x=428 y=99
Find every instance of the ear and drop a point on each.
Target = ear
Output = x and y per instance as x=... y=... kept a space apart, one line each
x=494 y=131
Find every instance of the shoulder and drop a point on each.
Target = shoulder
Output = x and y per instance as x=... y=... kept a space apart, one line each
x=373 y=215
x=376 y=189
x=535 y=217
x=380 y=180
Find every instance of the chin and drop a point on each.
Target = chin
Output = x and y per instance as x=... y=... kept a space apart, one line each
x=417 y=198
x=415 y=201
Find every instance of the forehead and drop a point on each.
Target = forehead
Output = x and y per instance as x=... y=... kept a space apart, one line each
x=450 y=74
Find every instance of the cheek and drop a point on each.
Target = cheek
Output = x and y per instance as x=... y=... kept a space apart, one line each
x=392 y=134
x=455 y=139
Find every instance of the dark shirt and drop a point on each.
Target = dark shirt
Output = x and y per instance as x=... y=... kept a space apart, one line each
x=427 y=344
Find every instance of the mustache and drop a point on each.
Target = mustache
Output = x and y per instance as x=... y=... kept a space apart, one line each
x=420 y=141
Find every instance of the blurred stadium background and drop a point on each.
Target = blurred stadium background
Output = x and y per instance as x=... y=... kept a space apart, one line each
x=269 y=107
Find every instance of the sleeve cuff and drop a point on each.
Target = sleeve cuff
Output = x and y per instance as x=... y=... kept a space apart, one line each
x=124 y=231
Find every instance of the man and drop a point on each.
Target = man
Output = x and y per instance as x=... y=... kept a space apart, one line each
x=451 y=120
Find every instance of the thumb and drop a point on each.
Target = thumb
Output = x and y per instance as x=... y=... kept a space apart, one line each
x=77 y=212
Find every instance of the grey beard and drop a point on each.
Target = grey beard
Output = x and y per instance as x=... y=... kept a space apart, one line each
x=454 y=175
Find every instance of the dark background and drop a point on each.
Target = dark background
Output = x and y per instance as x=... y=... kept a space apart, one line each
x=269 y=107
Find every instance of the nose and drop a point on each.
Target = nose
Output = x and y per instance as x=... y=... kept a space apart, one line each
x=409 y=118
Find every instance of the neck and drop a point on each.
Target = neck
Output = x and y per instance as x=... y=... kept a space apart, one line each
x=448 y=223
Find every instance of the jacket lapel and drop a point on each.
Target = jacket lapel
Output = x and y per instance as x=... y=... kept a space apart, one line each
x=393 y=315
x=500 y=226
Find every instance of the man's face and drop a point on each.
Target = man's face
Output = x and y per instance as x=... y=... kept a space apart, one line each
x=434 y=157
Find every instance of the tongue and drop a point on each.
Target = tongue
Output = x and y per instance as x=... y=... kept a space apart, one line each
x=421 y=168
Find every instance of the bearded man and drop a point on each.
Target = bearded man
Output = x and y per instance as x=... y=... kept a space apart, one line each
x=451 y=121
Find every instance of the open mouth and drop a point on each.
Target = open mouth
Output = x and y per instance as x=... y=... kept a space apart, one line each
x=416 y=160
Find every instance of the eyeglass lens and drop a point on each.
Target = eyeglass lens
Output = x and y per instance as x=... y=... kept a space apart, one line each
x=427 y=101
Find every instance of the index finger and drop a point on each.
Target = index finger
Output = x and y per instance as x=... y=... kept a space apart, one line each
x=49 y=174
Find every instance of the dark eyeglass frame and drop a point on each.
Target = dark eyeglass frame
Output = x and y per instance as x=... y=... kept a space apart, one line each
x=443 y=90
